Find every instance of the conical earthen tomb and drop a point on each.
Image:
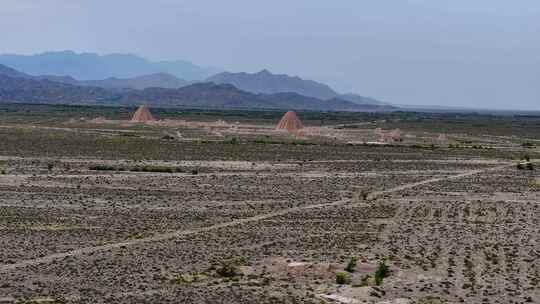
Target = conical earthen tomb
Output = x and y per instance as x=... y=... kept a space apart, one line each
x=142 y=115
x=290 y=122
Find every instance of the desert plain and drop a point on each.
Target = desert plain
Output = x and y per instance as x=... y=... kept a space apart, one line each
x=219 y=207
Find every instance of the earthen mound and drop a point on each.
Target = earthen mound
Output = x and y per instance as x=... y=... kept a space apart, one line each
x=290 y=122
x=142 y=115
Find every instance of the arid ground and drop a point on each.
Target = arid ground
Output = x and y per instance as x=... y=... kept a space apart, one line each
x=129 y=213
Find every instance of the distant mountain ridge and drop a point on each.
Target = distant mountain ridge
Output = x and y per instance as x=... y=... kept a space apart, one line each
x=121 y=71
x=39 y=89
x=91 y=66
x=268 y=83
x=162 y=80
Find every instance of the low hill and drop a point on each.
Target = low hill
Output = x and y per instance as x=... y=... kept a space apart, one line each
x=7 y=71
x=30 y=90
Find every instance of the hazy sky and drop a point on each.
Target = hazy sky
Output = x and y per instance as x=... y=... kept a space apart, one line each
x=477 y=53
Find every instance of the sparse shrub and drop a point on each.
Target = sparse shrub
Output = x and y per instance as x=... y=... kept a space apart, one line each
x=167 y=137
x=364 y=195
x=351 y=266
x=194 y=172
x=381 y=272
x=528 y=145
x=228 y=269
x=343 y=278
x=530 y=166
x=50 y=166
x=156 y=169
x=128 y=134
x=102 y=168
x=3 y=172
x=520 y=166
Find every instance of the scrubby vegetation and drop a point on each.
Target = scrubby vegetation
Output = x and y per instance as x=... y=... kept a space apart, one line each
x=351 y=265
x=103 y=168
x=146 y=168
x=157 y=169
x=230 y=268
x=343 y=278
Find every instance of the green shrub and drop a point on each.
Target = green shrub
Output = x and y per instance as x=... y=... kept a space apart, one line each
x=156 y=169
x=232 y=141
x=381 y=272
x=343 y=278
x=351 y=266
x=364 y=195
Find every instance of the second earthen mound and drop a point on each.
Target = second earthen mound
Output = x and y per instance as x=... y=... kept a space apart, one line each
x=142 y=115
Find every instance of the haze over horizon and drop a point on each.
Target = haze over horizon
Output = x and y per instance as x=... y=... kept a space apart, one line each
x=484 y=54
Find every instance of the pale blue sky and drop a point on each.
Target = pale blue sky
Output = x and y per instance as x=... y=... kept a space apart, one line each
x=477 y=53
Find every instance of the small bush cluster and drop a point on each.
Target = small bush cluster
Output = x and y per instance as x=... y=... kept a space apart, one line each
x=528 y=145
x=525 y=166
x=102 y=168
x=425 y=147
x=157 y=169
x=230 y=268
x=525 y=163
x=381 y=272
x=351 y=266
x=167 y=137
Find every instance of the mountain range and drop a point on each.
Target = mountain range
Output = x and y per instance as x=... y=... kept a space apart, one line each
x=268 y=83
x=262 y=90
x=90 y=66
